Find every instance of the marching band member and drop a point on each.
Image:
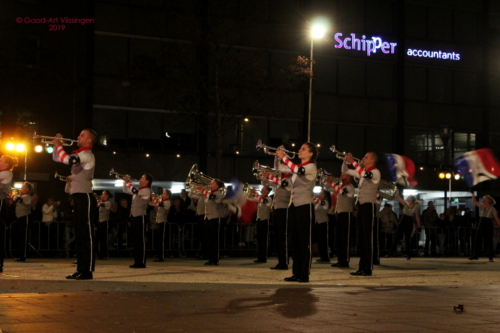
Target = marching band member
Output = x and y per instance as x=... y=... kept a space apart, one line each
x=301 y=210
x=23 y=210
x=7 y=163
x=281 y=200
x=487 y=213
x=263 y=214
x=213 y=208
x=104 y=207
x=163 y=205
x=140 y=201
x=321 y=208
x=369 y=178
x=202 y=223
x=411 y=209
x=343 y=209
x=82 y=164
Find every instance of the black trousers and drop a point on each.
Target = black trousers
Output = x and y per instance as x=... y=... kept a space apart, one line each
x=262 y=239
x=139 y=231
x=431 y=237
x=22 y=235
x=405 y=228
x=376 y=244
x=343 y=235
x=85 y=209
x=365 y=223
x=203 y=231
x=484 y=233
x=213 y=241
x=3 y=216
x=160 y=240
x=321 y=236
x=332 y=233
x=300 y=220
x=281 y=230
x=385 y=241
x=102 y=238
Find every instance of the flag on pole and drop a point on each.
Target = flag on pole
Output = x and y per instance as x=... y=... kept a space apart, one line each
x=477 y=166
x=402 y=170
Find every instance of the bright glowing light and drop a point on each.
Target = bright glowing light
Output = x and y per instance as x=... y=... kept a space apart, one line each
x=319 y=26
x=441 y=175
x=237 y=152
x=318 y=145
x=293 y=144
x=457 y=176
x=147 y=155
x=18 y=185
x=178 y=155
x=421 y=168
x=448 y=175
x=409 y=192
x=246 y=119
x=10 y=146
x=114 y=153
x=49 y=149
x=38 y=148
x=20 y=147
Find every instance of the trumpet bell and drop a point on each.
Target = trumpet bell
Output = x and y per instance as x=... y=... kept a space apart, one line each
x=260 y=171
x=387 y=189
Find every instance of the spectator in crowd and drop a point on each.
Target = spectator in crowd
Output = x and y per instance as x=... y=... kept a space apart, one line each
x=36 y=208
x=441 y=232
x=49 y=228
x=124 y=233
x=176 y=218
x=430 y=219
x=388 y=222
x=113 y=226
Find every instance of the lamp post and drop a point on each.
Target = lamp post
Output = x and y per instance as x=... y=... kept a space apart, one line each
x=318 y=30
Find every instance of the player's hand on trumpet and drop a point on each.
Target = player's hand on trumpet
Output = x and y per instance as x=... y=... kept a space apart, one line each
x=57 y=142
x=280 y=151
x=349 y=158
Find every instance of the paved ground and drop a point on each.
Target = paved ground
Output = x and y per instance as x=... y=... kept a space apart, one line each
x=182 y=295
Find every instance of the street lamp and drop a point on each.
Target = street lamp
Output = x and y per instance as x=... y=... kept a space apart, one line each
x=448 y=175
x=19 y=147
x=319 y=26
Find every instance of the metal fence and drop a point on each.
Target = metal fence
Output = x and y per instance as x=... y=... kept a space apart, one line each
x=236 y=239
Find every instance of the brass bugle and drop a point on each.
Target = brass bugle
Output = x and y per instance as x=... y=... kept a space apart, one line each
x=268 y=150
x=112 y=172
x=260 y=171
x=61 y=177
x=325 y=180
x=341 y=155
x=47 y=140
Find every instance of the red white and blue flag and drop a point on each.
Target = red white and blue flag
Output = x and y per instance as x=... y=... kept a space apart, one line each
x=477 y=166
x=401 y=169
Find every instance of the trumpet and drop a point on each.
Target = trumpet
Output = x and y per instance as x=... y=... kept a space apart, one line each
x=341 y=155
x=15 y=191
x=61 y=177
x=260 y=171
x=156 y=196
x=112 y=172
x=267 y=150
x=197 y=179
x=326 y=180
x=47 y=140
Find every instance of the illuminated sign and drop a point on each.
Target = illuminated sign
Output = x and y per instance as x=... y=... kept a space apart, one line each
x=433 y=54
x=370 y=45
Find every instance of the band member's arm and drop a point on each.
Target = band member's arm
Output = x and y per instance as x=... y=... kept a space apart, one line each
x=475 y=202
x=21 y=198
x=60 y=155
x=309 y=170
x=322 y=203
x=5 y=177
x=401 y=200
x=193 y=196
x=495 y=215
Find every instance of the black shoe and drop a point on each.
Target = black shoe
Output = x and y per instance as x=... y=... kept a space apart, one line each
x=84 y=276
x=491 y=260
x=75 y=262
x=215 y=263
x=292 y=278
x=303 y=279
x=280 y=268
x=137 y=266
x=473 y=258
x=72 y=276
x=1 y=269
x=158 y=260
x=208 y=263
x=258 y=261
x=102 y=258
x=408 y=258
x=362 y=272
x=20 y=259
x=340 y=264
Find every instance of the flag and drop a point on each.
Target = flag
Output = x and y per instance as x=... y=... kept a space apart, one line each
x=402 y=170
x=477 y=166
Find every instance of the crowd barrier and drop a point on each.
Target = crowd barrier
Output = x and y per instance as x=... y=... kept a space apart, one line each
x=184 y=240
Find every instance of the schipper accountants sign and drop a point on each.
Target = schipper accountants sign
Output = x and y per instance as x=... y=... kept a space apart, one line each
x=371 y=45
